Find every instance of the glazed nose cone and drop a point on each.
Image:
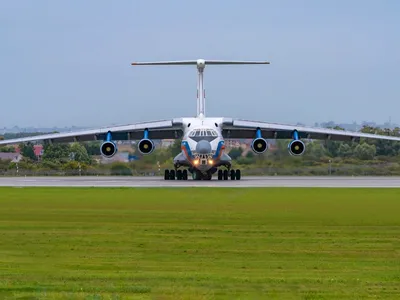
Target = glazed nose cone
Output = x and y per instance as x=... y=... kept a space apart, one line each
x=203 y=147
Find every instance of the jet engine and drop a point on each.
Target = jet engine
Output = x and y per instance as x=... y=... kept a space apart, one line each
x=108 y=149
x=146 y=146
x=296 y=147
x=259 y=145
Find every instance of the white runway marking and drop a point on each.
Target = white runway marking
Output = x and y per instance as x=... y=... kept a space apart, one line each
x=252 y=181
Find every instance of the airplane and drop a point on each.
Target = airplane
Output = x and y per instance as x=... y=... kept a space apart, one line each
x=203 y=138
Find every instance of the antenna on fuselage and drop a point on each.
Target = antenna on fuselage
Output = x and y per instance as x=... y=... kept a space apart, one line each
x=201 y=64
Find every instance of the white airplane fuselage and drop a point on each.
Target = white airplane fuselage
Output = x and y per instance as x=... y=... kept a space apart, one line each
x=202 y=145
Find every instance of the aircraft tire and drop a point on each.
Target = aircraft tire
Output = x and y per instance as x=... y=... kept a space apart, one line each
x=185 y=175
x=172 y=175
x=219 y=174
x=225 y=174
x=196 y=175
x=166 y=174
x=238 y=174
x=233 y=174
x=179 y=175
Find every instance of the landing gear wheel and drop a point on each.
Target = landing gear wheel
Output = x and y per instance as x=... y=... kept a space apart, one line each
x=238 y=174
x=208 y=177
x=172 y=175
x=179 y=174
x=184 y=175
x=219 y=174
x=232 y=175
x=196 y=175
x=166 y=175
x=225 y=174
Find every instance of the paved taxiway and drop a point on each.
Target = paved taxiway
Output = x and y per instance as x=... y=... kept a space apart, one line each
x=252 y=181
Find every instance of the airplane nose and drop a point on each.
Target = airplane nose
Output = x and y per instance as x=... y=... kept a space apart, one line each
x=203 y=147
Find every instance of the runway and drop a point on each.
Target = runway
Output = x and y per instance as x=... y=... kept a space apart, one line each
x=252 y=181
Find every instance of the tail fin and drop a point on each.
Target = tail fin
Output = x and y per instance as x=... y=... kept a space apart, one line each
x=201 y=63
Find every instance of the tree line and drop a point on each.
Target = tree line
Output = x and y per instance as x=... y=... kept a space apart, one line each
x=327 y=156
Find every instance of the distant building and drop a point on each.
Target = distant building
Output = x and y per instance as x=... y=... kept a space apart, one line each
x=125 y=147
x=232 y=143
x=14 y=157
x=37 y=149
x=167 y=143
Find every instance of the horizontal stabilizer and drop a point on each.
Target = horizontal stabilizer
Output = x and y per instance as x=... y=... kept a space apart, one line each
x=201 y=61
x=176 y=62
x=236 y=62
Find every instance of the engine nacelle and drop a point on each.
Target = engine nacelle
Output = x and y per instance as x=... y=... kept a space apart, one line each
x=108 y=149
x=146 y=146
x=259 y=145
x=296 y=147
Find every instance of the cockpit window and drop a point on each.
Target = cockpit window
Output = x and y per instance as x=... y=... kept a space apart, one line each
x=203 y=134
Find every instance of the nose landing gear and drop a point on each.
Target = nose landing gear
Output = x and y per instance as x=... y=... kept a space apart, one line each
x=197 y=175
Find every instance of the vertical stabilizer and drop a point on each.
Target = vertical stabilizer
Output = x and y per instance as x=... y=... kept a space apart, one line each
x=201 y=97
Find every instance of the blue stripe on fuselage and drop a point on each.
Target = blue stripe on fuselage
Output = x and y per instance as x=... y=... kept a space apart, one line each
x=189 y=152
x=220 y=144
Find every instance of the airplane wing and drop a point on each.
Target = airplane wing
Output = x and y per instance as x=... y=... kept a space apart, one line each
x=164 y=129
x=245 y=129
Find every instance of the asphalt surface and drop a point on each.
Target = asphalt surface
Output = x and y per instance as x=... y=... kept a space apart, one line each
x=272 y=181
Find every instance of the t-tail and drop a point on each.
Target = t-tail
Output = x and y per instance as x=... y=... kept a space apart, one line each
x=200 y=63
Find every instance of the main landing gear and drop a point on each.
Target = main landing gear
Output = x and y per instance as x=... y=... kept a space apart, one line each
x=172 y=174
x=197 y=175
x=231 y=174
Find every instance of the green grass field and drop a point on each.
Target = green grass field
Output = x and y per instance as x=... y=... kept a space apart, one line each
x=199 y=243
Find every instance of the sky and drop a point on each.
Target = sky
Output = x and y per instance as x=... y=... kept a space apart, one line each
x=67 y=63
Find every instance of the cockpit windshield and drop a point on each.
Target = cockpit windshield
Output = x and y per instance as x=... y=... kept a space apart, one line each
x=203 y=132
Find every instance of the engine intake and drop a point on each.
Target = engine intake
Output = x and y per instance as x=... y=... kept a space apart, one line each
x=108 y=149
x=296 y=147
x=146 y=146
x=259 y=145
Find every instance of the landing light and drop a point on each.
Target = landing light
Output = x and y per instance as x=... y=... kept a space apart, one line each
x=210 y=161
x=196 y=162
